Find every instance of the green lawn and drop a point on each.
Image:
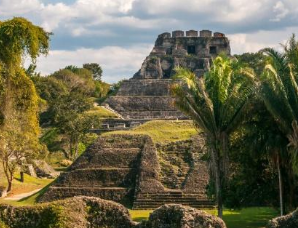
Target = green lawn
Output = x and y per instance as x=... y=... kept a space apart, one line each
x=30 y=184
x=102 y=112
x=253 y=217
x=163 y=131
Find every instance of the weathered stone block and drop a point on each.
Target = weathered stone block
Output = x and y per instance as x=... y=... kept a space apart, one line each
x=192 y=33
x=218 y=34
x=205 y=33
x=178 y=33
x=43 y=169
x=177 y=216
x=78 y=212
x=287 y=221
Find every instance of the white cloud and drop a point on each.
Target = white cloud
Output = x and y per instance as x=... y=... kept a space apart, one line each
x=117 y=62
x=113 y=30
x=253 y=42
x=280 y=10
x=241 y=43
x=53 y=15
x=18 y=7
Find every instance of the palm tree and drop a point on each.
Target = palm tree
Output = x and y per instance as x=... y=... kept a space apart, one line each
x=217 y=103
x=279 y=90
x=267 y=139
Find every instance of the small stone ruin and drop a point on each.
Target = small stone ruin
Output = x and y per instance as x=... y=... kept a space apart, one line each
x=127 y=169
x=91 y=212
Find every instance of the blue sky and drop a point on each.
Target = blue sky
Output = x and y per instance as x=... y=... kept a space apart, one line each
x=119 y=34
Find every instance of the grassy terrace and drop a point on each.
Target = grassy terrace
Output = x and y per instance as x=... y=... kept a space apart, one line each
x=163 y=131
x=102 y=112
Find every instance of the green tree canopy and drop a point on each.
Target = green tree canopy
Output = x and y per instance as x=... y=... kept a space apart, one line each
x=96 y=70
x=19 y=100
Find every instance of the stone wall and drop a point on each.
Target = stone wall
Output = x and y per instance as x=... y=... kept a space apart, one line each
x=78 y=212
x=91 y=212
x=177 y=216
x=144 y=88
x=145 y=107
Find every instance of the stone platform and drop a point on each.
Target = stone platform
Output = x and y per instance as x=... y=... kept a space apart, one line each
x=128 y=169
x=145 y=99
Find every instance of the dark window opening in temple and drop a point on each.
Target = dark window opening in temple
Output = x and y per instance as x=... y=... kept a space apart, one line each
x=169 y=51
x=167 y=74
x=201 y=64
x=191 y=49
x=212 y=50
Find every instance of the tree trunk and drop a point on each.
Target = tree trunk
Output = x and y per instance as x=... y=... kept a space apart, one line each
x=9 y=187
x=70 y=156
x=8 y=174
x=281 y=201
x=218 y=192
x=216 y=166
x=291 y=205
x=76 y=150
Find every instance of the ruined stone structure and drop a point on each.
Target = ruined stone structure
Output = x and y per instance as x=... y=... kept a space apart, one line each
x=128 y=169
x=91 y=212
x=147 y=94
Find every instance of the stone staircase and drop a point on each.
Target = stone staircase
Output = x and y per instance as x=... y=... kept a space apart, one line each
x=145 y=99
x=184 y=176
x=177 y=164
x=108 y=170
x=155 y=200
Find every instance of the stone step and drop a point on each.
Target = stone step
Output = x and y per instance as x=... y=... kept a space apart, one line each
x=140 y=201
x=178 y=153
x=110 y=193
x=173 y=202
x=109 y=158
x=154 y=205
x=122 y=141
x=179 y=194
x=184 y=198
x=105 y=177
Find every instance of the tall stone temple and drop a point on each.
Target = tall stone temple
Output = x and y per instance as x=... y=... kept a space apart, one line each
x=132 y=169
x=147 y=95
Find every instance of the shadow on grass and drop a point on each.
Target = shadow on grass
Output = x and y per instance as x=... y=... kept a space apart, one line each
x=140 y=219
x=35 y=197
x=256 y=217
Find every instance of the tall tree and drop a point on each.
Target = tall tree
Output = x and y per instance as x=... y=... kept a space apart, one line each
x=18 y=101
x=95 y=68
x=263 y=138
x=279 y=90
x=216 y=103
